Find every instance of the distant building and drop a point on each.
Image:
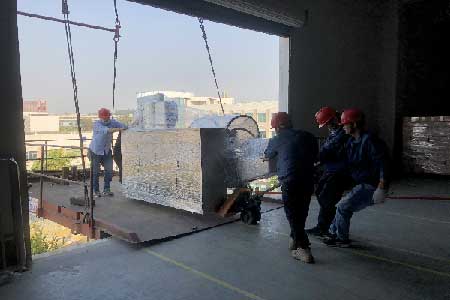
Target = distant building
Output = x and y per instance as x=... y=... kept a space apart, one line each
x=37 y=106
x=185 y=98
x=196 y=102
x=191 y=107
x=68 y=122
x=40 y=123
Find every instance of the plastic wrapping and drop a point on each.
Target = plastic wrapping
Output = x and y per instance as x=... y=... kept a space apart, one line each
x=213 y=121
x=243 y=149
x=191 y=169
x=250 y=165
x=180 y=168
x=154 y=112
x=426 y=145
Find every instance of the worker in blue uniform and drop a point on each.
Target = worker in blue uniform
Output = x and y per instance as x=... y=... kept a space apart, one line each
x=334 y=179
x=295 y=151
x=366 y=159
x=100 y=150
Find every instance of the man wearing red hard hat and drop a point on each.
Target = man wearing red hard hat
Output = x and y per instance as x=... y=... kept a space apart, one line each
x=366 y=162
x=295 y=151
x=334 y=179
x=100 y=150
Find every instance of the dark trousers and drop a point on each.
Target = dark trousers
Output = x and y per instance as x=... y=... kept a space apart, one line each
x=329 y=192
x=297 y=197
x=107 y=162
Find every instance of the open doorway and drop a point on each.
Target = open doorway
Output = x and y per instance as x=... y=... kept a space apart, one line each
x=154 y=55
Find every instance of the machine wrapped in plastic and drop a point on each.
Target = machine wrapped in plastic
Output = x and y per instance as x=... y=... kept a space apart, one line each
x=192 y=168
x=180 y=168
x=243 y=148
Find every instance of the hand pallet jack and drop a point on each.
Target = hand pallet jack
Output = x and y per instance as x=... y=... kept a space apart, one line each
x=245 y=201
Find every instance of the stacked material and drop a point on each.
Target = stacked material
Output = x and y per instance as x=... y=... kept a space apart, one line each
x=426 y=145
x=154 y=112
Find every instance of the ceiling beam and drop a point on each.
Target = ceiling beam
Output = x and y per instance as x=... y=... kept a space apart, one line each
x=221 y=14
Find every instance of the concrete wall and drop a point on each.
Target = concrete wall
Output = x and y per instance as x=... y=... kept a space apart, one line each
x=345 y=56
x=41 y=124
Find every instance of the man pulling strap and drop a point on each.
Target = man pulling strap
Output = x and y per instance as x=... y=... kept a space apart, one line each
x=295 y=151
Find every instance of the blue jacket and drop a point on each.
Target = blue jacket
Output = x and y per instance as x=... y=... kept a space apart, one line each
x=101 y=138
x=366 y=159
x=332 y=152
x=296 y=151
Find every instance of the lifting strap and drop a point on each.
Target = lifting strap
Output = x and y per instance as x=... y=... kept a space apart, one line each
x=205 y=38
x=65 y=12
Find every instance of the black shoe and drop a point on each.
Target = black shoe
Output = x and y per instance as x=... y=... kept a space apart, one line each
x=334 y=241
x=107 y=193
x=316 y=231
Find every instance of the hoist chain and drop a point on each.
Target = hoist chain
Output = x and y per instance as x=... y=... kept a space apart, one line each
x=65 y=11
x=205 y=38
x=116 y=41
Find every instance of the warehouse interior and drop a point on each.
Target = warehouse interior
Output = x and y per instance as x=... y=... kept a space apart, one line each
x=388 y=58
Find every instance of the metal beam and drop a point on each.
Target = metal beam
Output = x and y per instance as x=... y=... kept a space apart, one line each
x=25 y=14
x=220 y=14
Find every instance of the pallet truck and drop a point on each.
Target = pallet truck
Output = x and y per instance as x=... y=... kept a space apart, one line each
x=247 y=202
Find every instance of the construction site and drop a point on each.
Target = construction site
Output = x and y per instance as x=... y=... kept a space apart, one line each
x=185 y=216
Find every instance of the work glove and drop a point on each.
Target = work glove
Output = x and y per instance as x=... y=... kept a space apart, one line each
x=379 y=196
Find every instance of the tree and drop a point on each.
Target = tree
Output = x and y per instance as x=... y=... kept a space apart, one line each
x=86 y=124
x=273 y=181
x=41 y=242
x=57 y=159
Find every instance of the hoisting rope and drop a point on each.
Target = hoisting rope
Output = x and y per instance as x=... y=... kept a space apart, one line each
x=205 y=38
x=65 y=12
x=116 y=41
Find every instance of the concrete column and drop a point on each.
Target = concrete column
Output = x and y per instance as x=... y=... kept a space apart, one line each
x=283 y=84
x=11 y=122
x=345 y=57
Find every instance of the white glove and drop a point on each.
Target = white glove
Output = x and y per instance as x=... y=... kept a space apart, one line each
x=379 y=196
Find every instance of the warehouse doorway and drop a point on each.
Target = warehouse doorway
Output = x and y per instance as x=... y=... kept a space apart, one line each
x=275 y=29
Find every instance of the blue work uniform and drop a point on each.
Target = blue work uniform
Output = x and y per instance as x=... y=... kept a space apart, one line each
x=366 y=159
x=100 y=151
x=332 y=152
x=335 y=179
x=295 y=151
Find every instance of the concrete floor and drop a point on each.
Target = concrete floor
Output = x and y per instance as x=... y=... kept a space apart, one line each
x=402 y=252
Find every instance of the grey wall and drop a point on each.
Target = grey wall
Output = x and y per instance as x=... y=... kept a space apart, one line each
x=345 y=56
x=12 y=134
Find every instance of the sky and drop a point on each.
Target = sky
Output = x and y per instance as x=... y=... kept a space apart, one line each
x=159 y=50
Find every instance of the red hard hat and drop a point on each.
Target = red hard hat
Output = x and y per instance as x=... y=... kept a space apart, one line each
x=280 y=119
x=324 y=115
x=351 y=115
x=104 y=113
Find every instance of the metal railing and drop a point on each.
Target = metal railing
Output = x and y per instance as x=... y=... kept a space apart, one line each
x=89 y=204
